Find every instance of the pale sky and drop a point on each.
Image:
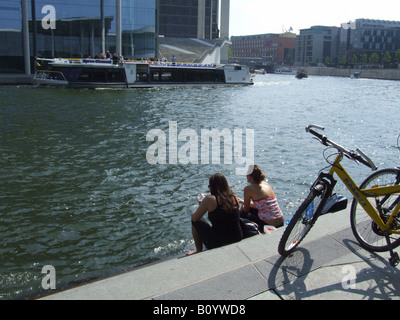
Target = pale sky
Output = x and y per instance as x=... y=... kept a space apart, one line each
x=249 y=17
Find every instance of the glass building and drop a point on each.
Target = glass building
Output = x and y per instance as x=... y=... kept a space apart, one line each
x=74 y=29
x=189 y=18
x=368 y=36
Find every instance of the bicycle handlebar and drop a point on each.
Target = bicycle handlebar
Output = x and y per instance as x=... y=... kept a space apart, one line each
x=357 y=155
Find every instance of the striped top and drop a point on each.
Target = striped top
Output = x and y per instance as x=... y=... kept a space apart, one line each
x=268 y=208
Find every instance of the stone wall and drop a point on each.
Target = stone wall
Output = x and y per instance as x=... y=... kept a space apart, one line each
x=383 y=74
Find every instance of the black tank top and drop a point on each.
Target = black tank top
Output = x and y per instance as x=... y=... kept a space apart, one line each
x=225 y=225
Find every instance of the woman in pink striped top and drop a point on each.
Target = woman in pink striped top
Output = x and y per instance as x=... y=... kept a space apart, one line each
x=260 y=195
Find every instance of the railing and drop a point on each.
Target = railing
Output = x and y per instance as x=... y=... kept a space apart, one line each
x=219 y=44
x=80 y=61
x=111 y=62
x=182 y=65
x=50 y=75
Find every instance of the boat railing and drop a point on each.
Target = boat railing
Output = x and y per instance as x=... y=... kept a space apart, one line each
x=182 y=65
x=117 y=62
x=50 y=75
x=80 y=61
x=103 y=61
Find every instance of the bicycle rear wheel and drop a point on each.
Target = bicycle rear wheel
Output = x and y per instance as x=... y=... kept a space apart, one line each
x=303 y=219
x=366 y=231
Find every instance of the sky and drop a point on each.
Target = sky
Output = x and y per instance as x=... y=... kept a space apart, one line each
x=248 y=17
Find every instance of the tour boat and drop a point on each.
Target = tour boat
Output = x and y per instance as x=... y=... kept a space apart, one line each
x=109 y=73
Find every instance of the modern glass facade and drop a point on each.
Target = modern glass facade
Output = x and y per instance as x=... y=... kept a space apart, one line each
x=367 y=36
x=179 y=18
x=75 y=29
x=11 y=53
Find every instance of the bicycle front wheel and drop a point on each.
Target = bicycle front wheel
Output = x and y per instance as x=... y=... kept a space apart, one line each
x=303 y=220
x=366 y=231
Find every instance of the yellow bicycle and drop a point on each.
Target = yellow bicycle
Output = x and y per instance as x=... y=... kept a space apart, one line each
x=374 y=214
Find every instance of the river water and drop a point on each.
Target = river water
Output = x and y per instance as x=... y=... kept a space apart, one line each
x=79 y=193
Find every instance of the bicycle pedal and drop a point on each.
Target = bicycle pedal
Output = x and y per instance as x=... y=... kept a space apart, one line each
x=394 y=259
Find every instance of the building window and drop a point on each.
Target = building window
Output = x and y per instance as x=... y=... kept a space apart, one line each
x=11 y=37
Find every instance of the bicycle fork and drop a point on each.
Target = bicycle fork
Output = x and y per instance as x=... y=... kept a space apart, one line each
x=324 y=180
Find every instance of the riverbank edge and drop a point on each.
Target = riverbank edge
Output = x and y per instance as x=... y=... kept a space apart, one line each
x=379 y=74
x=253 y=270
x=16 y=79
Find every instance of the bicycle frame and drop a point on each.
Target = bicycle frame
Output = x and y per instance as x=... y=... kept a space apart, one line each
x=362 y=196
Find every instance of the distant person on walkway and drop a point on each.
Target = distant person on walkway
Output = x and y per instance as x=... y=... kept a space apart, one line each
x=260 y=204
x=223 y=212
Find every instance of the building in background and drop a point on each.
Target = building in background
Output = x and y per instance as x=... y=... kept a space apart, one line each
x=87 y=28
x=264 y=49
x=363 y=41
x=76 y=28
x=362 y=38
x=318 y=44
x=80 y=29
x=189 y=19
x=194 y=31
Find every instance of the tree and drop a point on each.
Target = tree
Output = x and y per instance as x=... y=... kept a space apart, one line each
x=364 y=58
x=397 y=56
x=387 y=58
x=374 y=58
x=328 y=61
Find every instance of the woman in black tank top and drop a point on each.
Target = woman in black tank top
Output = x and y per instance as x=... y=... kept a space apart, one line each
x=224 y=214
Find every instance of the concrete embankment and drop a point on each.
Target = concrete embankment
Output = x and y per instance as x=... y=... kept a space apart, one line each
x=329 y=264
x=381 y=74
x=16 y=79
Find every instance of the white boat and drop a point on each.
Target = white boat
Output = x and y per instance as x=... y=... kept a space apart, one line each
x=286 y=71
x=102 y=73
x=260 y=71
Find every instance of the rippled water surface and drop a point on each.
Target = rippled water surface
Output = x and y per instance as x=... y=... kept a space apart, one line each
x=78 y=193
